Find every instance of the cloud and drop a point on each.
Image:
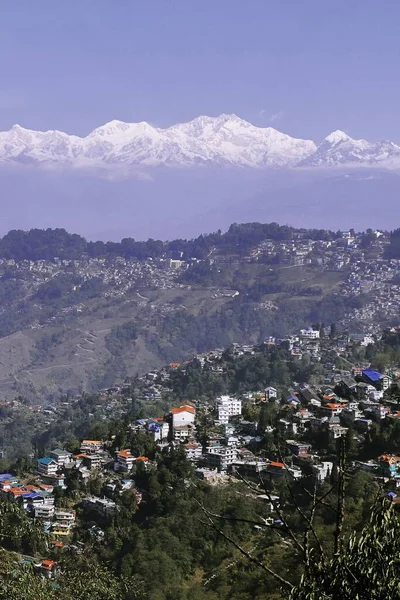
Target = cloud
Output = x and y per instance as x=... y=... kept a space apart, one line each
x=276 y=116
x=267 y=117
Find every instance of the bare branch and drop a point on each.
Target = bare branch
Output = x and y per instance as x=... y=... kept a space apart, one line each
x=260 y=523
x=248 y=555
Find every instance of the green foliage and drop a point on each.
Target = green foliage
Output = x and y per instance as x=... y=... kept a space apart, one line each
x=366 y=568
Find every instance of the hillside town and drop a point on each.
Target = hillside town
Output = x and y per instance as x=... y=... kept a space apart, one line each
x=359 y=258
x=260 y=435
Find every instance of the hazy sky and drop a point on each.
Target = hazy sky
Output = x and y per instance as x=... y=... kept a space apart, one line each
x=306 y=67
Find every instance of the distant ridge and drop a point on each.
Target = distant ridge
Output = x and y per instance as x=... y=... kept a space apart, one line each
x=226 y=140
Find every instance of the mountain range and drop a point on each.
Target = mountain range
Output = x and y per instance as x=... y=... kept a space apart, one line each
x=226 y=140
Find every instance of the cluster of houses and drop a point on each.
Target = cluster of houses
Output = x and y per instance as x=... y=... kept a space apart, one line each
x=38 y=499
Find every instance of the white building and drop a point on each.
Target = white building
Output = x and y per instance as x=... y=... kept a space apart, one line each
x=184 y=415
x=47 y=466
x=182 y=432
x=62 y=457
x=102 y=506
x=271 y=392
x=159 y=430
x=323 y=470
x=65 y=515
x=125 y=460
x=193 y=451
x=182 y=421
x=309 y=333
x=91 y=446
x=43 y=511
x=221 y=457
x=227 y=407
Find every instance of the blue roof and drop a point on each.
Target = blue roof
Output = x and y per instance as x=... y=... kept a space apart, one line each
x=6 y=476
x=46 y=461
x=372 y=375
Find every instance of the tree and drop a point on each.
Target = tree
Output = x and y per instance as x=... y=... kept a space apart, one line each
x=367 y=567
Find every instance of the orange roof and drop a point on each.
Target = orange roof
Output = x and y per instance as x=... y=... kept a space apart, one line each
x=18 y=490
x=175 y=364
x=277 y=464
x=125 y=453
x=48 y=564
x=144 y=458
x=91 y=442
x=332 y=405
x=158 y=419
x=186 y=408
x=57 y=544
x=389 y=458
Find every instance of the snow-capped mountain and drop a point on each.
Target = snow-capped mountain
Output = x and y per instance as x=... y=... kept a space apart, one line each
x=338 y=148
x=224 y=140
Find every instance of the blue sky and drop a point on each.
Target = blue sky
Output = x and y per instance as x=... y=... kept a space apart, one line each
x=306 y=67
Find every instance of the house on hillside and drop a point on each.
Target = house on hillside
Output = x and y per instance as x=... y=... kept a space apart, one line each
x=47 y=466
x=379 y=381
x=182 y=421
x=227 y=407
x=62 y=457
x=124 y=461
x=270 y=392
x=91 y=446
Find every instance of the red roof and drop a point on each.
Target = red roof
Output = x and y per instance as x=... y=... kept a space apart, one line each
x=125 y=453
x=176 y=411
x=48 y=564
x=277 y=464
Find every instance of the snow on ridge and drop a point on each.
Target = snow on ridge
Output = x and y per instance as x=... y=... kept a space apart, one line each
x=223 y=140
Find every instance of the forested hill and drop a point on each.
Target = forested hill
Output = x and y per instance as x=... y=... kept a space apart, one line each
x=46 y=244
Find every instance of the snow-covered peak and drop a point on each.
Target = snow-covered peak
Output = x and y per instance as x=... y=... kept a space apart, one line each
x=223 y=140
x=336 y=137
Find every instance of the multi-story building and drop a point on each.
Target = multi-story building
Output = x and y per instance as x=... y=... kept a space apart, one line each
x=43 y=511
x=193 y=451
x=62 y=457
x=125 y=460
x=309 y=333
x=227 y=407
x=298 y=448
x=182 y=421
x=103 y=506
x=92 y=461
x=221 y=457
x=91 y=446
x=182 y=432
x=184 y=415
x=47 y=466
